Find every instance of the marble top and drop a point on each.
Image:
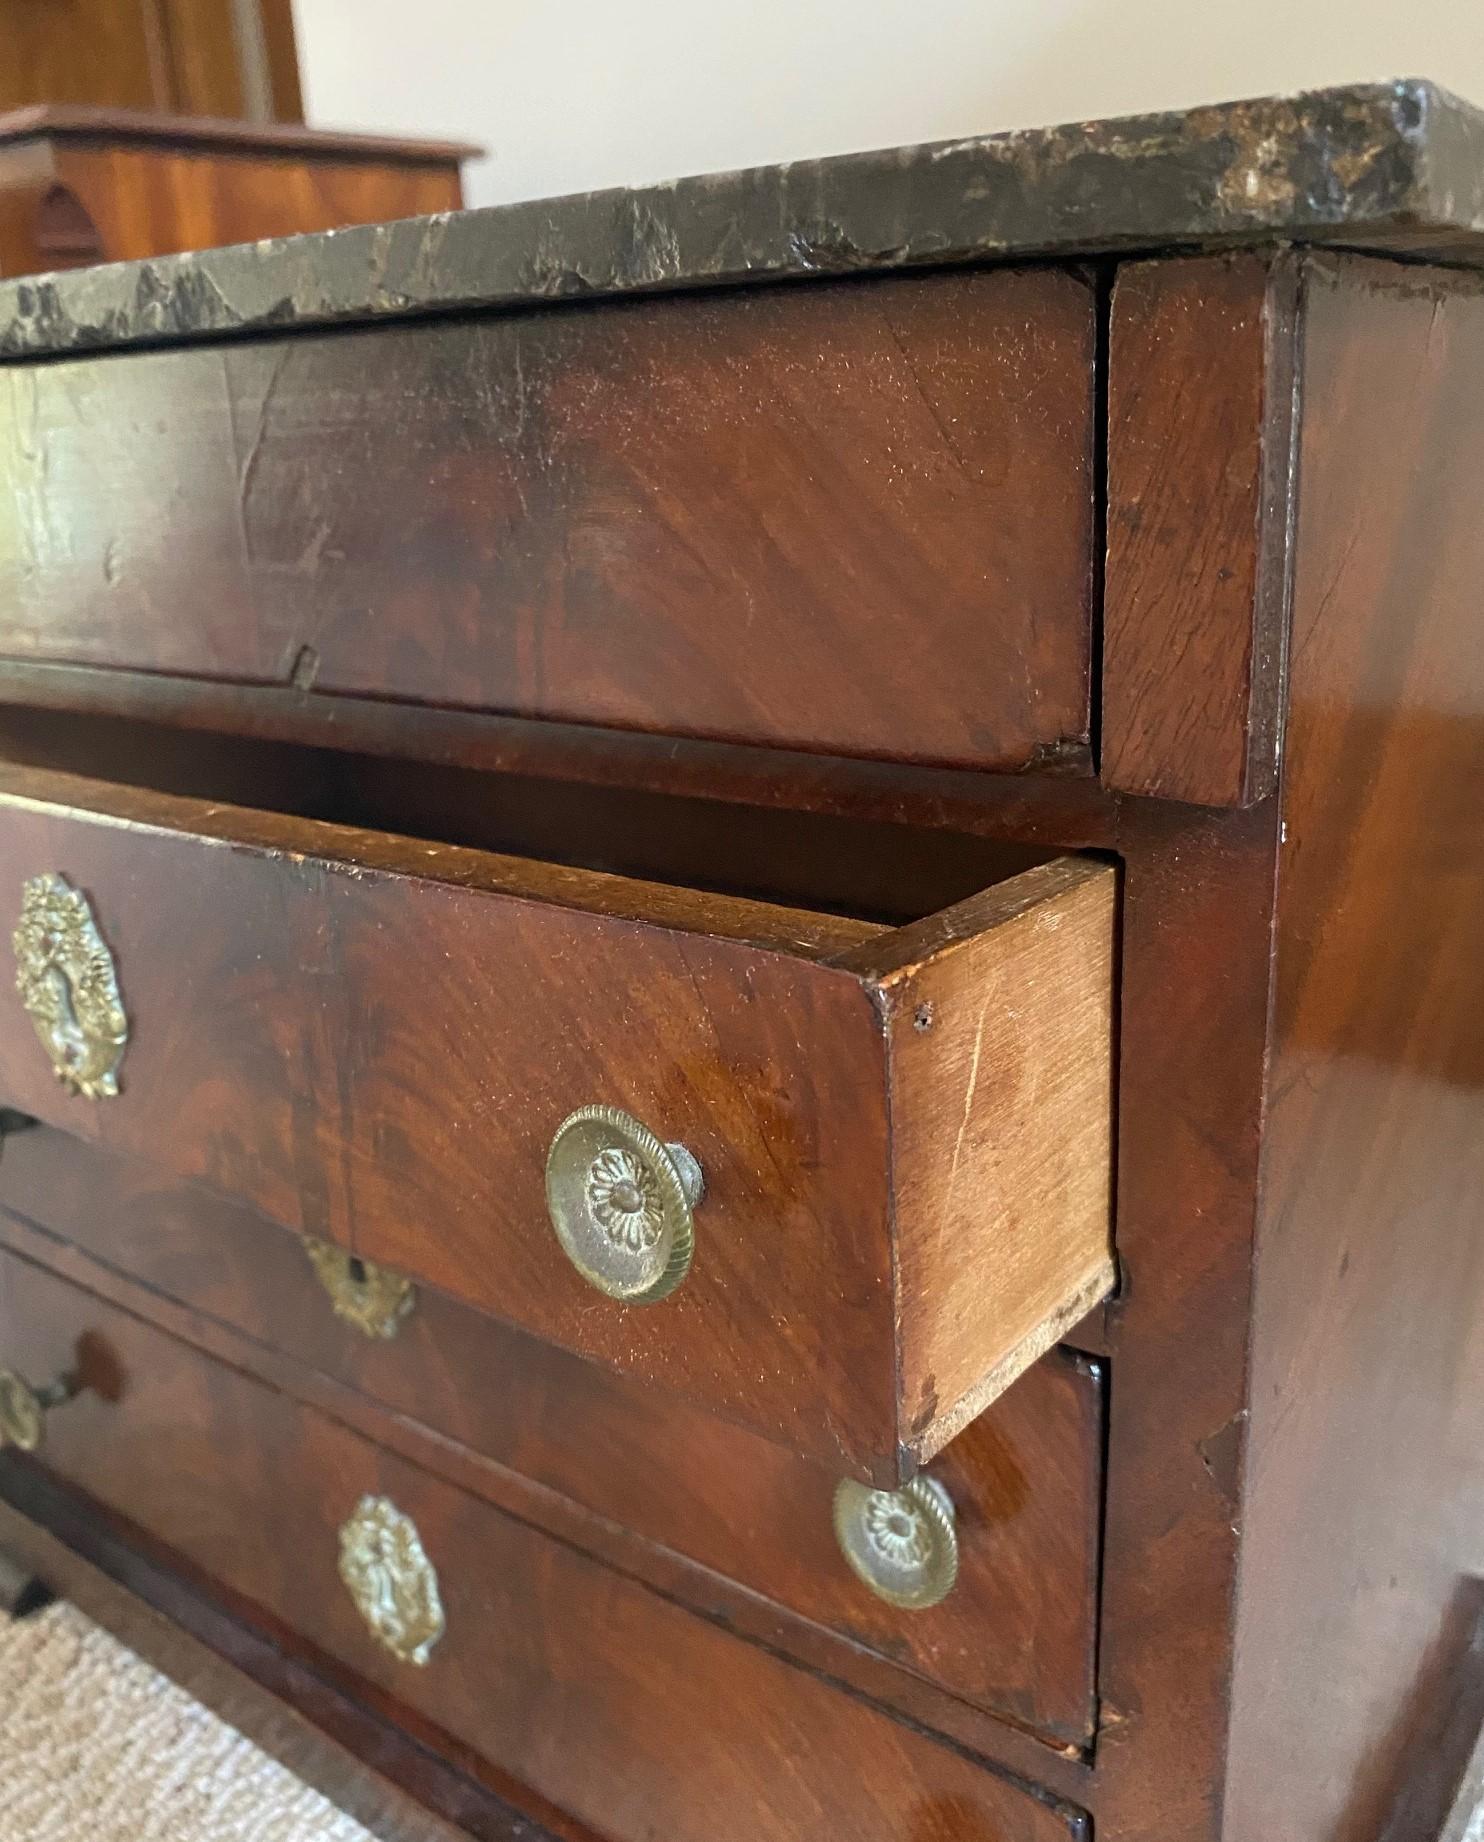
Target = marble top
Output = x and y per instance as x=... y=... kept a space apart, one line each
x=1395 y=167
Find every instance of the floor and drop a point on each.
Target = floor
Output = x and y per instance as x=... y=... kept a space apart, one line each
x=95 y=1746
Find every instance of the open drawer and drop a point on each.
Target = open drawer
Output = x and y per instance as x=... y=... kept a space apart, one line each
x=836 y=1182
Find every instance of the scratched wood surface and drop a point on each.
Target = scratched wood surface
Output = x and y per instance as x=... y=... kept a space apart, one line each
x=1000 y=1024
x=1016 y=1635
x=610 y=1702
x=375 y=1039
x=853 y=518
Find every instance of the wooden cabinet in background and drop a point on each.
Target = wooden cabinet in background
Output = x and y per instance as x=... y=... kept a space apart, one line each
x=82 y=185
x=192 y=57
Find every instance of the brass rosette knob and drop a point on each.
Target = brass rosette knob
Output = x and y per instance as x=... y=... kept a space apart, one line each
x=621 y=1201
x=23 y=1409
x=902 y=1543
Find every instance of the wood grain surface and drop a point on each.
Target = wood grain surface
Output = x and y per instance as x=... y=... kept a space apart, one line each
x=1200 y=476
x=1364 y=1507
x=613 y=1704
x=852 y=518
x=1194 y=997
x=149 y=202
x=143 y=57
x=999 y=1015
x=374 y=1039
x=83 y=185
x=94 y=51
x=1016 y=1635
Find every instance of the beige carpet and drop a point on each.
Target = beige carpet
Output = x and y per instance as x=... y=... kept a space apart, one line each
x=95 y=1746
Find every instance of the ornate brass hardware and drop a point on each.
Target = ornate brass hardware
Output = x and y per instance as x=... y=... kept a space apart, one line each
x=65 y=975
x=368 y=1296
x=23 y=1409
x=391 y=1579
x=621 y=1202
x=902 y=1543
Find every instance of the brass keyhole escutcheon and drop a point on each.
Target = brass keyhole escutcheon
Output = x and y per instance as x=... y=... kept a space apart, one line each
x=389 y=1576
x=374 y=1300
x=622 y=1202
x=67 y=982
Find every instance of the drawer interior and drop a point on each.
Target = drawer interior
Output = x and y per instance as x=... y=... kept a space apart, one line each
x=869 y=868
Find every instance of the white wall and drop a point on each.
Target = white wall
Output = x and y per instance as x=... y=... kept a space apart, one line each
x=572 y=94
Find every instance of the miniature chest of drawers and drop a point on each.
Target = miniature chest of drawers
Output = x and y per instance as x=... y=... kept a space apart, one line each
x=741 y=1088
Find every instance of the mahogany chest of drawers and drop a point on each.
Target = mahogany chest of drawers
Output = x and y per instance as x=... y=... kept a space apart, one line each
x=741 y=1087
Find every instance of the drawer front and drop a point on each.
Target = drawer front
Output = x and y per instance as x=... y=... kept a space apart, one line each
x=903 y=1135
x=852 y=517
x=608 y=1701
x=1014 y=1636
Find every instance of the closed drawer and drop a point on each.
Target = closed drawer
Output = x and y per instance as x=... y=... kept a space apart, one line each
x=850 y=517
x=1015 y=1634
x=903 y=1136
x=615 y=1705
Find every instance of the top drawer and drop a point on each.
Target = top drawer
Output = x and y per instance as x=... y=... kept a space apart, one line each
x=846 y=517
x=903 y=1136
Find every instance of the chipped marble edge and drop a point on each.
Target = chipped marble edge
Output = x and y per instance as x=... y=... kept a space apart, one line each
x=1362 y=164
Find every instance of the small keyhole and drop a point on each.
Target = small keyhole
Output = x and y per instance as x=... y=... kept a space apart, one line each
x=355 y=1269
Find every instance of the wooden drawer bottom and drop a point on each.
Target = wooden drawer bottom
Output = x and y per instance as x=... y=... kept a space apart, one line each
x=635 y=1716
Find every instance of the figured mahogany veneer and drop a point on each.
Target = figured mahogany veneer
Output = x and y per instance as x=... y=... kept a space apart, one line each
x=1364 y=1545
x=1014 y=1637
x=856 y=519
x=586 y=1685
x=905 y=1134
x=1201 y=431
